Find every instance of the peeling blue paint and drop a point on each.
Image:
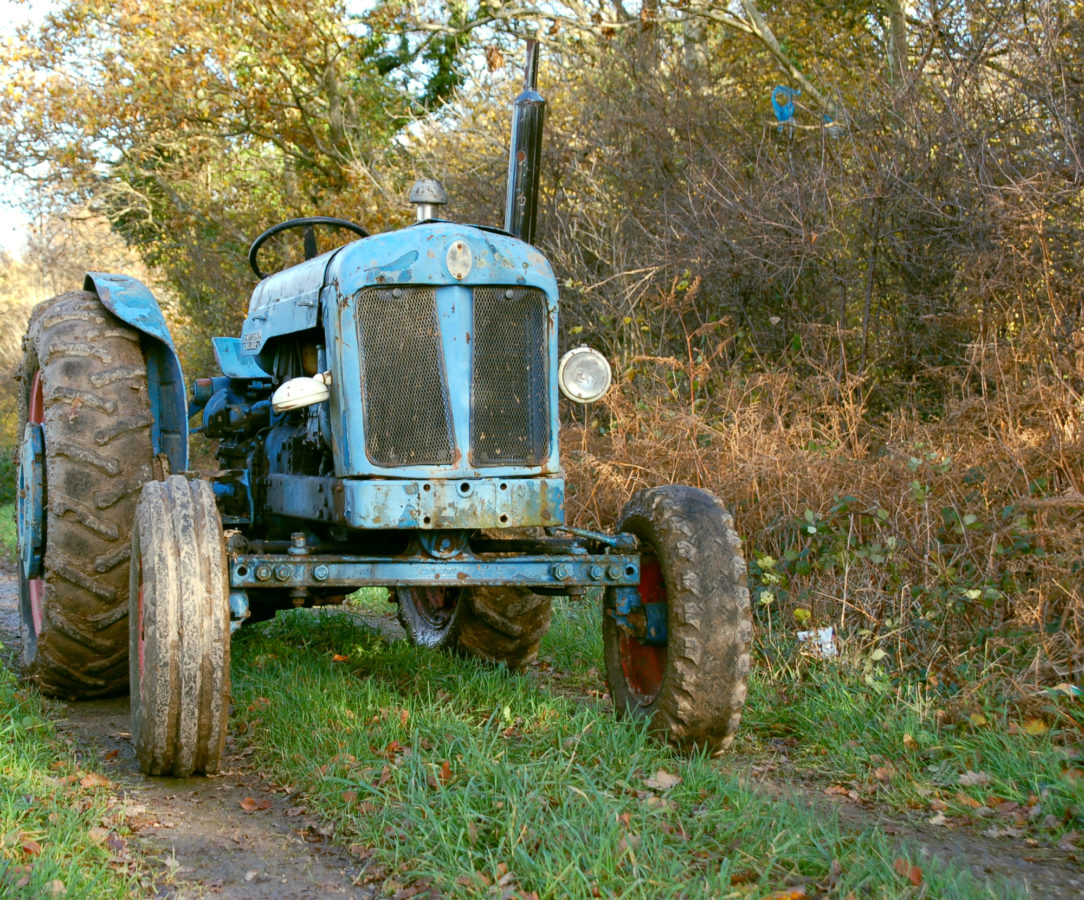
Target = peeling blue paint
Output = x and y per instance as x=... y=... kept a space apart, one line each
x=131 y=302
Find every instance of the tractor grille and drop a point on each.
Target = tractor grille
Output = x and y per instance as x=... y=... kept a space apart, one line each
x=510 y=421
x=407 y=419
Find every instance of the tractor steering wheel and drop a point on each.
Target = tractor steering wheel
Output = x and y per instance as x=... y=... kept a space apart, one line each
x=306 y=223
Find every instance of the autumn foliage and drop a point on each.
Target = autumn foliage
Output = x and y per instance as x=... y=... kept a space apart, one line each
x=860 y=326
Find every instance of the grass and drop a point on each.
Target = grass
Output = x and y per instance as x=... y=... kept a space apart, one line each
x=913 y=746
x=443 y=773
x=57 y=821
x=8 y=536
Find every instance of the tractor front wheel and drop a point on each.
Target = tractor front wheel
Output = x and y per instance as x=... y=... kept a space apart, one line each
x=692 y=686
x=179 y=632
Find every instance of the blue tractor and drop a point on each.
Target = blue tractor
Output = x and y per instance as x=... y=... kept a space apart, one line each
x=388 y=416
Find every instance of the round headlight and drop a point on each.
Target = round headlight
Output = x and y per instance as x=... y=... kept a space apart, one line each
x=583 y=375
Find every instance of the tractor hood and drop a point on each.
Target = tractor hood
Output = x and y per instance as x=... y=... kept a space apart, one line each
x=431 y=253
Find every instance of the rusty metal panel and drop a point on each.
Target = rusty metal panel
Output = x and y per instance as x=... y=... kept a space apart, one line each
x=462 y=503
x=285 y=571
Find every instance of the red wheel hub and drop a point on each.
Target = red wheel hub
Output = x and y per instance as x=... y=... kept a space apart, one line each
x=643 y=664
x=36 y=586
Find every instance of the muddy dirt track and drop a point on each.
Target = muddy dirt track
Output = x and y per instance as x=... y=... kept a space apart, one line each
x=239 y=837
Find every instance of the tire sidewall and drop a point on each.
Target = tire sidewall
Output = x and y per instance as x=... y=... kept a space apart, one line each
x=704 y=677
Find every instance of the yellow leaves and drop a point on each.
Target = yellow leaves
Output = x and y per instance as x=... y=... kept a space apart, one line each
x=663 y=780
x=94 y=779
x=494 y=58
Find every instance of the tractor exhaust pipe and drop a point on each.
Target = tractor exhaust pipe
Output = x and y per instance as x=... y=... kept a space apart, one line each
x=525 y=154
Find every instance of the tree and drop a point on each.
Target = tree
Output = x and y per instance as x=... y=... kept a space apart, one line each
x=192 y=125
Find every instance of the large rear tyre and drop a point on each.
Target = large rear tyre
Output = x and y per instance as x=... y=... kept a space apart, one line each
x=429 y=615
x=496 y=624
x=692 y=688
x=84 y=426
x=502 y=625
x=180 y=629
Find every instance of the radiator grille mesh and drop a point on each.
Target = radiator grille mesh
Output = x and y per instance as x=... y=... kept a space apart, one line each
x=407 y=419
x=510 y=422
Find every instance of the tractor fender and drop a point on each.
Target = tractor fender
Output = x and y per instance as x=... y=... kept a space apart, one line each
x=131 y=302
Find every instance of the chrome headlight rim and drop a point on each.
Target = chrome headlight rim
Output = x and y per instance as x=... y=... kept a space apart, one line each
x=577 y=357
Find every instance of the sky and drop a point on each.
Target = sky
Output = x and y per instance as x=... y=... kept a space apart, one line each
x=13 y=221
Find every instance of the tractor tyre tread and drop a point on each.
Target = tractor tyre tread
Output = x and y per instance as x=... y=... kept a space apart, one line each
x=93 y=472
x=703 y=689
x=179 y=576
x=502 y=625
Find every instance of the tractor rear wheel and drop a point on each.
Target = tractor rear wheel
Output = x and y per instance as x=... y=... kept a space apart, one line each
x=495 y=624
x=85 y=431
x=502 y=624
x=429 y=615
x=180 y=629
x=692 y=687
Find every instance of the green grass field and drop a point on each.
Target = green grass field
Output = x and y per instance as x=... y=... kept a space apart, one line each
x=7 y=532
x=60 y=835
x=444 y=773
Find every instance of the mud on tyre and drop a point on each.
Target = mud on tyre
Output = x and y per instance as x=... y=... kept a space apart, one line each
x=180 y=629
x=496 y=624
x=692 y=687
x=86 y=446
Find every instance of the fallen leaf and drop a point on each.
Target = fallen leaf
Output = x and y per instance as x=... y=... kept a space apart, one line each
x=663 y=780
x=98 y=834
x=965 y=800
x=93 y=779
x=55 y=888
x=338 y=657
x=911 y=873
x=250 y=804
x=1068 y=840
x=938 y=819
x=445 y=772
x=909 y=743
x=31 y=847
x=970 y=779
x=349 y=797
x=883 y=773
x=112 y=754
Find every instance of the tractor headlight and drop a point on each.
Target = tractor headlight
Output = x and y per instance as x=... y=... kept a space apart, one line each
x=583 y=375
